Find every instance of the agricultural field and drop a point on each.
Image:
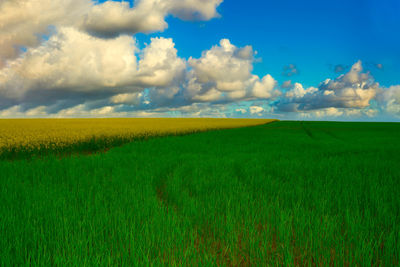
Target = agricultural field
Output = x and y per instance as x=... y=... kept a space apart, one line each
x=286 y=193
x=22 y=138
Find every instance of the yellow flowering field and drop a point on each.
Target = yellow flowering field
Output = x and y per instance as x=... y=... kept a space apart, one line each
x=40 y=134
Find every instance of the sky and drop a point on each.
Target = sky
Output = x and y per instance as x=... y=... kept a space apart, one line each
x=300 y=60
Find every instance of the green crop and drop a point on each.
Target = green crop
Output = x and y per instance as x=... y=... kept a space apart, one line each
x=280 y=194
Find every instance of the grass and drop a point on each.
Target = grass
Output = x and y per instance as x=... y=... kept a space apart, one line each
x=285 y=193
x=27 y=138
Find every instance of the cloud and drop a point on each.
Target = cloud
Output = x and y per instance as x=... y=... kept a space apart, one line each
x=226 y=66
x=379 y=66
x=256 y=110
x=354 y=89
x=223 y=73
x=338 y=113
x=290 y=70
x=24 y=22
x=265 y=88
x=114 y=72
x=57 y=68
x=340 y=68
x=159 y=65
x=82 y=111
x=18 y=111
x=286 y=84
x=241 y=110
x=127 y=98
x=298 y=91
x=321 y=113
x=111 y=19
x=98 y=69
x=389 y=98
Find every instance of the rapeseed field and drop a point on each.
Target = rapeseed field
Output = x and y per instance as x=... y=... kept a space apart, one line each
x=27 y=136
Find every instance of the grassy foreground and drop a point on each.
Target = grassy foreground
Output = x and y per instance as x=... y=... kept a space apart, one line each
x=285 y=193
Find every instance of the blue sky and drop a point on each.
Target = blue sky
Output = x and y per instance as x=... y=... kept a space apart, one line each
x=201 y=58
x=315 y=35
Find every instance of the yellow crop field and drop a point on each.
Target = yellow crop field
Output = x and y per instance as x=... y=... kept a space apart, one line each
x=39 y=134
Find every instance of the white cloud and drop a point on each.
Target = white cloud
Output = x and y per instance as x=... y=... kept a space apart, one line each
x=127 y=98
x=256 y=109
x=18 y=112
x=83 y=111
x=222 y=66
x=23 y=21
x=389 y=98
x=343 y=113
x=241 y=110
x=265 y=88
x=117 y=72
x=223 y=73
x=193 y=110
x=100 y=67
x=58 y=64
x=298 y=91
x=354 y=89
x=328 y=112
x=160 y=66
x=111 y=19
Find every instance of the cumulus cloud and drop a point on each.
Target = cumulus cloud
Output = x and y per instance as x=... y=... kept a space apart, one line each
x=225 y=65
x=160 y=66
x=111 y=19
x=298 y=91
x=109 y=72
x=389 y=98
x=354 y=89
x=265 y=88
x=223 y=73
x=24 y=22
x=99 y=68
x=58 y=67
x=256 y=110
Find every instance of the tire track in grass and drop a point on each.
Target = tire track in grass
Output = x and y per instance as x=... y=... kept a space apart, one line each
x=333 y=135
x=267 y=235
x=162 y=192
x=308 y=132
x=205 y=238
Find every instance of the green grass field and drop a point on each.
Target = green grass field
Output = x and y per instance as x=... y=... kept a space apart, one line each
x=281 y=194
